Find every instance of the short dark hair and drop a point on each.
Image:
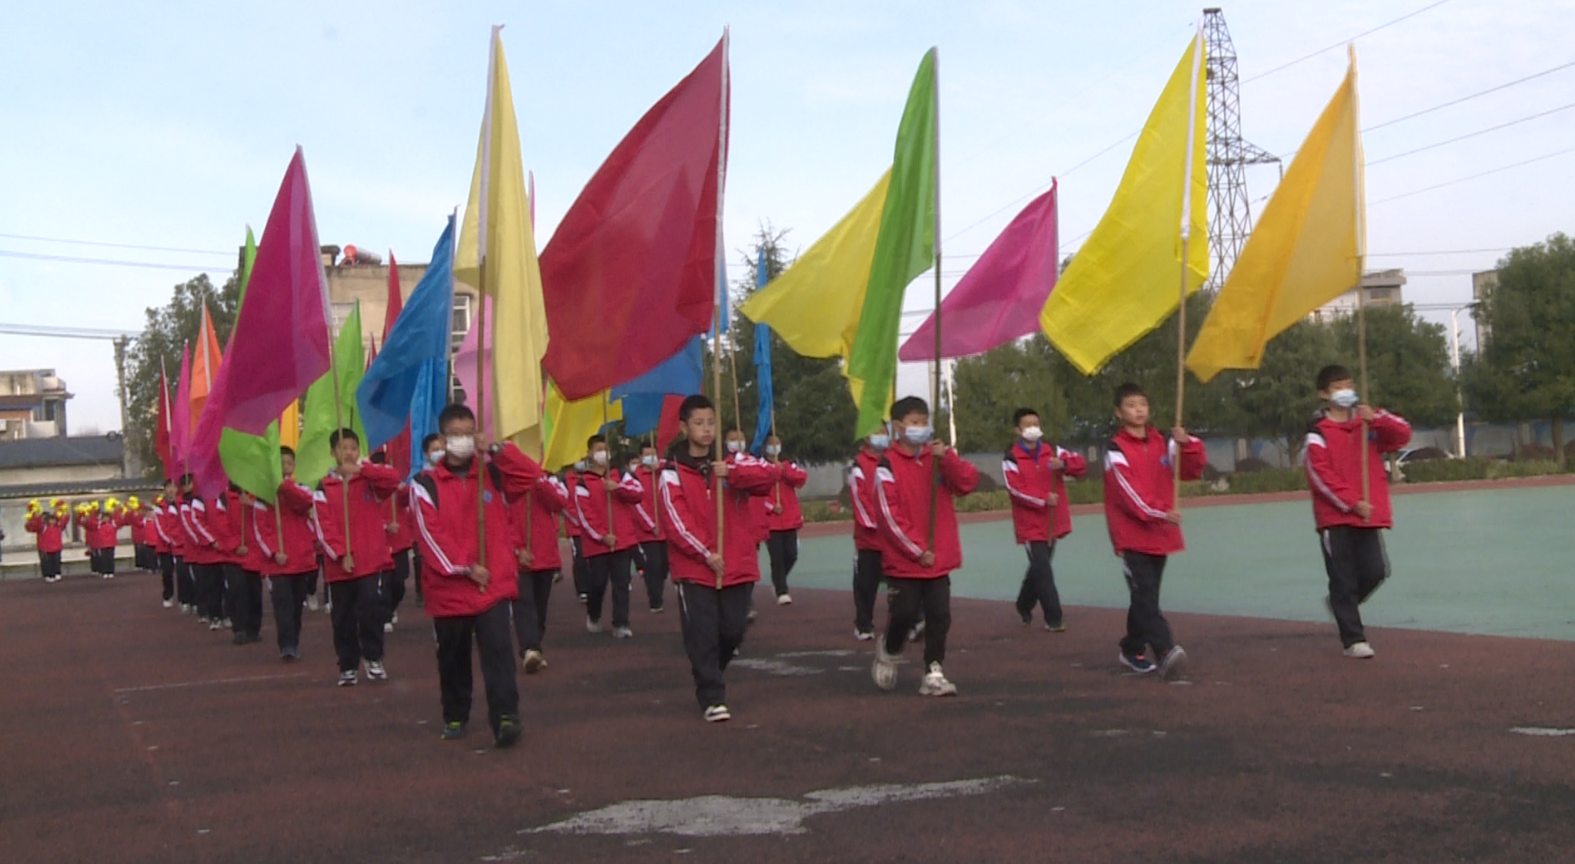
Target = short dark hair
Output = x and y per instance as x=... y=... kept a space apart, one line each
x=1332 y=373
x=772 y=436
x=1128 y=390
x=427 y=441
x=185 y=479
x=592 y=441
x=286 y=450
x=647 y=445
x=692 y=403
x=456 y=411
x=340 y=435
x=909 y=405
x=380 y=458
x=1019 y=414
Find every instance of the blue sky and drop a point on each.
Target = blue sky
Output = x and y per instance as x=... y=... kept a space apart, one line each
x=173 y=127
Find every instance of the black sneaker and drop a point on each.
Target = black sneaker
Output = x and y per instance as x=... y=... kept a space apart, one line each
x=453 y=731
x=1028 y=618
x=1139 y=664
x=509 y=732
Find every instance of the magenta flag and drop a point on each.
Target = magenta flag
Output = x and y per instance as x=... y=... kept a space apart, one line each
x=180 y=418
x=280 y=342
x=1000 y=296
x=465 y=365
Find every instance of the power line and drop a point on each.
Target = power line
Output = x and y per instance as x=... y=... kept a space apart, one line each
x=1343 y=42
x=112 y=245
x=66 y=332
x=1472 y=176
x=1467 y=98
x=1373 y=162
x=74 y=259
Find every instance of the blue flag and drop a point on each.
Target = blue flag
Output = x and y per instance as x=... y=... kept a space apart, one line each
x=408 y=381
x=768 y=409
x=678 y=375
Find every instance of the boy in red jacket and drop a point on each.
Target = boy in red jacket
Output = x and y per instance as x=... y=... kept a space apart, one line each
x=919 y=553
x=714 y=566
x=648 y=516
x=534 y=522
x=1036 y=481
x=1349 y=516
x=283 y=534
x=355 y=556
x=783 y=518
x=1145 y=526
x=48 y=523
x=242 y=565
x=866 y=533
x=606 y=493
x=466 y=604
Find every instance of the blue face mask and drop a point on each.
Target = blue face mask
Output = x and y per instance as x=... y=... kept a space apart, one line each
x=1344 y=398
x=917 y=435
x=880 y=441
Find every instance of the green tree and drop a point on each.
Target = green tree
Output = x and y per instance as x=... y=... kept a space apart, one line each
x=1407 y=364
x=159 y=347
x=1525 y=368
x=1277 y=400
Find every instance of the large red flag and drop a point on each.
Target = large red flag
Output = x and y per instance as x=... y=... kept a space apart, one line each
x=631 y=272
x=280 y=342
x=398 y=447
x=1000 y=296
x=162 y=436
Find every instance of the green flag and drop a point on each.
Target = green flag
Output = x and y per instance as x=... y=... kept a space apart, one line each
x=315 y=458
x=251 y=461
x=904 y=248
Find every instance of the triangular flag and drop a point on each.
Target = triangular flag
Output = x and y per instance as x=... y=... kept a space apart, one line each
x=1306 y=250
x=1125 y=279
x=323 y=414
x=205 y=363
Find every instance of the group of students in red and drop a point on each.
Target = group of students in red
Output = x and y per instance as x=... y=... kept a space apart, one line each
x=99 y=524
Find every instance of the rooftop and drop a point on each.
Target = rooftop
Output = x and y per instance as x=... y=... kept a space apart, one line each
x=55 y=452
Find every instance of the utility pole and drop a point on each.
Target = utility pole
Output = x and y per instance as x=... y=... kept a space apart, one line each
x=1230 y=212
x=1454 y=358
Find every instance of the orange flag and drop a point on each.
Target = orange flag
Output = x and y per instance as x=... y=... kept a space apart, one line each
x=205 y=362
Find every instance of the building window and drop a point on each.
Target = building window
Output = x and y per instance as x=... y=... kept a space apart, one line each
x=461 y=326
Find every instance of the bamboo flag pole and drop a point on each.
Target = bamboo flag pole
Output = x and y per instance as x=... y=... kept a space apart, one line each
x=732 y=361
x=607 y=474
x=1186 y=239
x=1361 y=266
x=935 y=372
x=481 y=415
x=716 y=343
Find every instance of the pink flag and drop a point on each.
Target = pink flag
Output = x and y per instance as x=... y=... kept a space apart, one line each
x=1000 y=296
x=465 y=365
x=180 y=418
x=280 y=342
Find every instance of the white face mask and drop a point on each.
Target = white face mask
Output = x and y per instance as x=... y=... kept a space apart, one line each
x=1033 y=434
x=462 y=447
x=599 y=457
x=880 y=441
x=648 y=461
x=1344 y=398
x=773 y=450
x=436 y=456
x=735 y=446
x=917 y=435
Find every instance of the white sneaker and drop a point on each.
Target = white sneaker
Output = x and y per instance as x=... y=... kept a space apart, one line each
x=347 y=678
x=884 y=671
x=216 y=625
x=228 y=624
x=534 y=662
x=1173 y=666
x=622 y=633
x=935 y=683
x=1360 y=651
x=388 y=626
x=394 y=618
x=785 y=600
x=109 y=575
x=185 y=608
x=312 y=604
x=375 y=671
x=917 y=632
x=169 y=604
x=718 y=714
x=863 y=635
x=592 y=626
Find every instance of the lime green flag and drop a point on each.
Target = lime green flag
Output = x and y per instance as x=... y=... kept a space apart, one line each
x=315 y=458
x=251 y=461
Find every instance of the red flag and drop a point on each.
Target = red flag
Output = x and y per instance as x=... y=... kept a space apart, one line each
x=668 y=427
x=631 y=272
x=163 y=435
x=280 y=342
x=398 y=447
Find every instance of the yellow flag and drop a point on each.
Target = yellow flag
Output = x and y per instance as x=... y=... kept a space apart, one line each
x=498 y=234
x=1306 y=250
x=290 y=425
x=1126 y=277
x=572 y=423
x=815 y=304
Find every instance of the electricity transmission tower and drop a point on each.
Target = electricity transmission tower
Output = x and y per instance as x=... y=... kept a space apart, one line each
x=1230 y=213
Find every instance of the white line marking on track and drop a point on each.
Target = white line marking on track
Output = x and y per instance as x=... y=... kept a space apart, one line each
x=1542 y=731
x=181 y=684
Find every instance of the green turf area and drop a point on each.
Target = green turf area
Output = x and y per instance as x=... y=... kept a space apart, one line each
x=1491 y=561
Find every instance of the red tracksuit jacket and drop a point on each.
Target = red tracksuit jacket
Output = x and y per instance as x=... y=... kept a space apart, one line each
x=369 y=494
x=446 y=523
x=1334 y=468
x=99 y=530
x=147 y=534
x=1140 y=490
x=398 y=515
x=784 y=495
x=591 y=503
x=534 y=519
x=201 y=543
x=861 y=492
x=645 y=512
x=235 y=532
x=1029 y=480
x=902 y=494
x=689 y=503
x=299 y=543
x=49 y=528
x=171 y=532
x=571 y=524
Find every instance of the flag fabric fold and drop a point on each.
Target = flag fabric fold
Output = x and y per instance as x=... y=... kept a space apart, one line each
x=644 y=397
x=323 y=414
x=497 y=254
x=414 y=347
x=1123 y=281
x=180 y=417
x=206 y=362
x=1306 y=249
x=631 y=272
x=573 y=421
x=999 y=298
